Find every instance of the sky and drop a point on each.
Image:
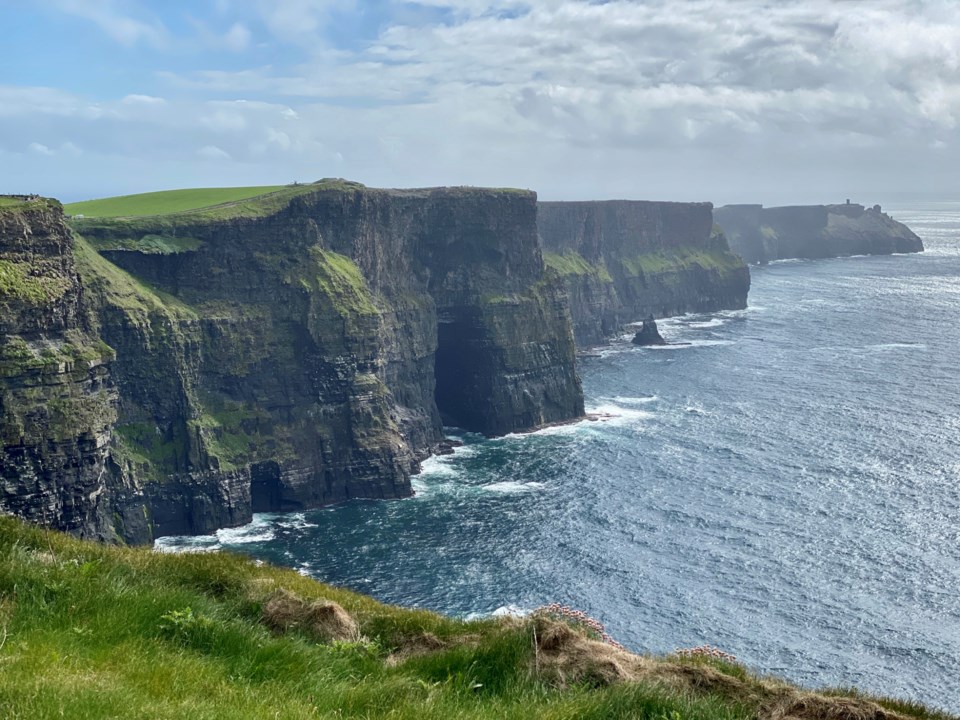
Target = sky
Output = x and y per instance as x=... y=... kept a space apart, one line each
x=771 y=101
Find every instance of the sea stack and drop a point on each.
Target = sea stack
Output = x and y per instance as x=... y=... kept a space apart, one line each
x=649 y=334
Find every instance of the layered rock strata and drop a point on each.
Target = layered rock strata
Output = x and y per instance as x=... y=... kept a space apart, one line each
x=624 y=260
x=761 y=235
x=286 y=354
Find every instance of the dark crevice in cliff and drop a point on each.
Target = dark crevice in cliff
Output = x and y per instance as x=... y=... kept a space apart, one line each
x=454 y=375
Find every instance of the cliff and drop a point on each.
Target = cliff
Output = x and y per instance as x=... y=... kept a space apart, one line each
x=760 y=235
x=624 y=260
x=275 y=354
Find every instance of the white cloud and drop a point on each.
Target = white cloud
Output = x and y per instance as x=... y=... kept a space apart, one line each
x=212 y=152
x=110 y=17
x=39 y=149
x=237 y=38
x=142 y=100
x=571 y=97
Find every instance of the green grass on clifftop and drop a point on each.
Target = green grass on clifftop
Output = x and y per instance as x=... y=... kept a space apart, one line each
x=89 y=631
x=165 y=202
x=199 y=203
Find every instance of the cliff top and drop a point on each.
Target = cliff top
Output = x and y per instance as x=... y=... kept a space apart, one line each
x=226 y=203
x=18 y=203
x=107 y=630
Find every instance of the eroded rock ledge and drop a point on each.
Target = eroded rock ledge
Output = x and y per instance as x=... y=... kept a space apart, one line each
x=174 y=374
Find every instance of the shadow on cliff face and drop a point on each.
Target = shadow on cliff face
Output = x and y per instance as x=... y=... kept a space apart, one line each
x=456 y=371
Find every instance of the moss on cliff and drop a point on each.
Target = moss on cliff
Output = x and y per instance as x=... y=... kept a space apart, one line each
x=25 y=282
x=572 y=263
x=669 y=261
x=107 y=284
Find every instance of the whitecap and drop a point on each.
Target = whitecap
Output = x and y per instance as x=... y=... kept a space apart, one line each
x=712 y=323
x=502 y=611
x=260 y=530
x=611 y=414
x=634 y=400
x=513 y=487
x=187 y=544
x=439 y=466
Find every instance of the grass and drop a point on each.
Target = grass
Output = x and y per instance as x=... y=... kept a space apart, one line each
x=12 y=204
x=198 y=204
x=165 y=202
x=90 y=631
x=22 y=281
x=106 y=283
x=673 y=260
x=572 y=263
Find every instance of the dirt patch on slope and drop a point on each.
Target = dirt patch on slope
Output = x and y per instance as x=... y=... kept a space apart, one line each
x=324 y=620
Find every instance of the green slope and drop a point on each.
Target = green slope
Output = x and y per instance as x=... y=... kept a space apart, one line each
x=166 y=201
x=89 y=631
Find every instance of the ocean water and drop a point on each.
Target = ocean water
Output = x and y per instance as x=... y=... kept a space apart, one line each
x=785 y=486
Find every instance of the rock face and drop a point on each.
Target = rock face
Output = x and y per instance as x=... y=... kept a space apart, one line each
x=283 y=357
x=623 y=260
x=760 y=235
x=648 y=334
x=57 y=403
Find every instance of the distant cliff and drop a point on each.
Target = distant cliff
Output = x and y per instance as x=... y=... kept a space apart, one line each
x=760 y=235
x=174 y=374
x=624 y=260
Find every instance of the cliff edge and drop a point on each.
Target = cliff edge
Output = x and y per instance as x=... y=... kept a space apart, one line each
x=761 y=235
x=624 y=260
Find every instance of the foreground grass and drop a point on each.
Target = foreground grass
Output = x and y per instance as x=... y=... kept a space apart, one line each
x=88 y=631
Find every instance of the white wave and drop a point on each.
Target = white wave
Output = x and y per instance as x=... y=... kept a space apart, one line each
x=510 y=611
x=502 y=611
x=513 y=487
x=187 y=544
x=617 y=414
x=633 y=400
x=888 y=346
x=690 y=344
x=294 y=521
x=439 y=466
x=260 y=530
x=712 y=323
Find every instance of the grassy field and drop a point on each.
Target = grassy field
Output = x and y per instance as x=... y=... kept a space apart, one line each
x=89 y=631
x=165 y=202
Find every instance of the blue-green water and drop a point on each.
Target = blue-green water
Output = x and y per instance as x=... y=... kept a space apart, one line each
x=786 y=487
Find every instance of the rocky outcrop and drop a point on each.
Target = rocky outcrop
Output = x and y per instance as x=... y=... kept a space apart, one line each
x=761 y=235
x=648 y=334
x=292 y=354
x=623 y=260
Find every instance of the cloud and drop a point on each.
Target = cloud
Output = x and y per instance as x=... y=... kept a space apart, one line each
x=212 y=152
x=649 y=99
x=142 y=100
x=116 y=23
x=39 y=149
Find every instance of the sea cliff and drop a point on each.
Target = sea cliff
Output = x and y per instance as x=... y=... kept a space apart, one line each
x=276 y=354
x=761 y=235
x=624 y=260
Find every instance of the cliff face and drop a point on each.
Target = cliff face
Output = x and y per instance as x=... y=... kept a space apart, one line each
x=759 y=234
x=623 y=260
x=57 y=402
x=302 y=355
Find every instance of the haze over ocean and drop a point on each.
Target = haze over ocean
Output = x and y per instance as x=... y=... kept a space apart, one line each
x=786 y=486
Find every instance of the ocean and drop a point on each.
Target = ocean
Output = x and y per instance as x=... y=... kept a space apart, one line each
x=784 y=485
